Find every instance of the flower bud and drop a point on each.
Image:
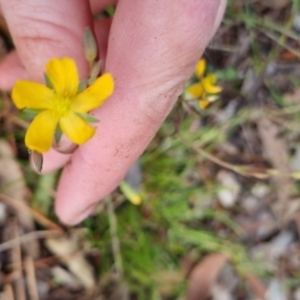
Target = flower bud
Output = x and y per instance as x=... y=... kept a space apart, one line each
x=89 y=45
x=130 y=193
x=36 y=159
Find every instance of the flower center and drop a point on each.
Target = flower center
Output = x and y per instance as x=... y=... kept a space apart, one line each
x=61 y=105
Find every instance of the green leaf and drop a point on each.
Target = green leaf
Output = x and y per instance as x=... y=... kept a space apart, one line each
x=48 y=82
x=43 y=199
x=88 y=118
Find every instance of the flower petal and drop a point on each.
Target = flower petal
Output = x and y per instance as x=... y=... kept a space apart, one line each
x=95 y=95
x=77 y=130
x=63 y=75
x=195 y=90
x=31 y=94
x=200 y=68
x=204 y=103
x=39 y=135
x=209 y=86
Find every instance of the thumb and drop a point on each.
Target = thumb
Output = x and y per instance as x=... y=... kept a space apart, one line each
x=152 y=51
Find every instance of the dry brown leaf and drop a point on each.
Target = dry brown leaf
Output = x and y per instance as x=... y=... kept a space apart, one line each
x=292 y=98
x=166 y=281
x=276 y=151
x=12 y=184
x=67 y=249
x=275 y=4
x=257 y=286
x=65 y=278
x=12 y=181
x=31 y=278
x=8 y=293
x=275 y=147
x=204 y=275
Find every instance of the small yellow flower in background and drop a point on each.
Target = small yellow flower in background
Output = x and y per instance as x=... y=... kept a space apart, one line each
x=205 y=89
x=62 y=105
x=130 y=194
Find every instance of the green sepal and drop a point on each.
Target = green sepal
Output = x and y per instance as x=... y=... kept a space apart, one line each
x=95 y=71
x=57 y=135
x=82 y=85
x=31 y=111
x=88 y=118
x=48 y=82
x=110 y=10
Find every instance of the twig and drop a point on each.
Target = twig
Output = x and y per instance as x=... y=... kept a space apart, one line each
x=17 y=259
x=219 y=162
x=18 y=121
x=31 y=279
x=247 y=171
x=28 y=237
x=50 y=260
x=10 y=277
x=8 y=291
x=113 y=227
x=20 y=206
x=44 y=221
x=239 y=169
x=297 y=221
x=257 y=286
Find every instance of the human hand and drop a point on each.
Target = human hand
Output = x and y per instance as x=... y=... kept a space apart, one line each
x=150 y=49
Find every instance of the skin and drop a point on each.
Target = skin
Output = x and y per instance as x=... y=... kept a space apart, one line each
x=151 y=47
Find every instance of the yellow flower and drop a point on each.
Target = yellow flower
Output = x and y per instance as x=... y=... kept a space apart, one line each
x=60 y=106
x=130 y=194
x=205 y=89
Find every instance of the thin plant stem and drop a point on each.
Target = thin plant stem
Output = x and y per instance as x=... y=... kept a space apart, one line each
x=113 y=227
